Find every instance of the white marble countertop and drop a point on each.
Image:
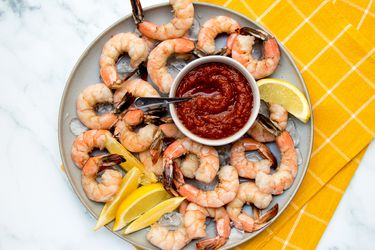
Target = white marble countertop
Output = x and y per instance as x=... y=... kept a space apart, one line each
x=40 y=42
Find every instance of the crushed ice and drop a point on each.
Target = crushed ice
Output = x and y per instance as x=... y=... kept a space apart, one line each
x=171 y=220
x=292 y=129
x=123 y=65
x=77 y=127
x=104 y=108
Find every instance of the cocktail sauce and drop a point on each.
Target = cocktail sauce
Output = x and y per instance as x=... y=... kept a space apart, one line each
x=221 y=104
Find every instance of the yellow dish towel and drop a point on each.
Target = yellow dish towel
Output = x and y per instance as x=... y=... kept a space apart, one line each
x=337 y=60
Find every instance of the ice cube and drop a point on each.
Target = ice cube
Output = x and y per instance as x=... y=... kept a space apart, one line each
x=194 y=30
x=171 y=220
x=103 y=108
x=292 y=129
x=77 y=127
x=176 y=65
x=123 y=65
x=263 y=109
x=253 y=156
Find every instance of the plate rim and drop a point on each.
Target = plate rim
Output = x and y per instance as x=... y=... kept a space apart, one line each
x=154 y=6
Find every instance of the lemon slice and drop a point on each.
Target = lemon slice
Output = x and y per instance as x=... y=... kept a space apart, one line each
x=114 y=147
x=286 y=94
x=154 y=214
x=138 y=202
x=128 y=184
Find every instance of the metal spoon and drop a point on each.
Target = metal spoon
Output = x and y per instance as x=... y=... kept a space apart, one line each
x=146 y=102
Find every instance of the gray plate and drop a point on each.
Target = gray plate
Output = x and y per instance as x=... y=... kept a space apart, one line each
x=86 y=72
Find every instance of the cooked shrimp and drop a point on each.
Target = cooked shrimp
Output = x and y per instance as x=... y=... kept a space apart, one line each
x=110 y=180
x=248 y=192
x=120 y=43
x=246 y=168
x=284 y=175
x=182 y=21
x=151 y=158
x=168 y=239
x=259 y=133
x=189 y=165
x=170 y=130
x=146 y=158
x=213 y=27
x=278 y=115
x=195 y=218
x=223 y=193
x=86 y=102
x=135 y=141
x=85 y=143
x=208 y=157
x=157 y=61
x=242 y=52
x=137 y=87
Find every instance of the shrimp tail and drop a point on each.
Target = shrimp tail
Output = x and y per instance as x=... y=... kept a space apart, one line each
x=156 y=147
x=265 y=218
x=110 y=160
x=253 y=32
x=154 y=115
x=126 y=101
x=168 y=174
x=268 y=125
x=200 y=53
x=137 y=11
x=211 y=244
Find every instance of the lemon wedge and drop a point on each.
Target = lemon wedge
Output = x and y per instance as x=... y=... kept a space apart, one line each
x=128 y=184
x=154 y=214
x=114 y=147
x=138 y=202
x=286 y=94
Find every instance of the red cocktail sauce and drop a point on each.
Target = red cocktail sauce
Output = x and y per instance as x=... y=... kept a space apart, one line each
x=221 y=104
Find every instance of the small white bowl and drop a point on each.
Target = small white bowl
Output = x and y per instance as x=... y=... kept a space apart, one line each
x=251 y=82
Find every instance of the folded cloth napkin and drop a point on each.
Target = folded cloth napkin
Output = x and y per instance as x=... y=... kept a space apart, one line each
x=336 y=58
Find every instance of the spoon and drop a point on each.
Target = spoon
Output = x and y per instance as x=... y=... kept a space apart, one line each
x=146 y=102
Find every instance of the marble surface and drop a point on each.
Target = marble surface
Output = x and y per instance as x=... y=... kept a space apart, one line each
x=40 y=42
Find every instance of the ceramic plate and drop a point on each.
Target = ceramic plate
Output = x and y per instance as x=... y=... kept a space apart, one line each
x=86 y=72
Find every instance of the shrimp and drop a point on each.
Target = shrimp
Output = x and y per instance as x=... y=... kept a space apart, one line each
x=150 y=158
x=248 y=192
x=136 y=87
x=167 y=239
x=195 y=218
x=110 y=179
x=189 y=165
x=86 y=102
x=245 y=167
x=120 y=43
x=85 y=143
x=223 y=193
x=278 y=115
x=213 y=27
x=242 y=52
x=135 y=141
x=208 y=158
x=182 y=21
x=284 y=175
x=259 y=133
x=146 y=159
x=157 y=61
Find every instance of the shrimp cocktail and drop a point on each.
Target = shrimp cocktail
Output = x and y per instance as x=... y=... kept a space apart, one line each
x=170 y=167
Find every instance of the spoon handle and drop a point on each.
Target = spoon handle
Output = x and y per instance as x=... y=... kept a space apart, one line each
x=145 y=102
